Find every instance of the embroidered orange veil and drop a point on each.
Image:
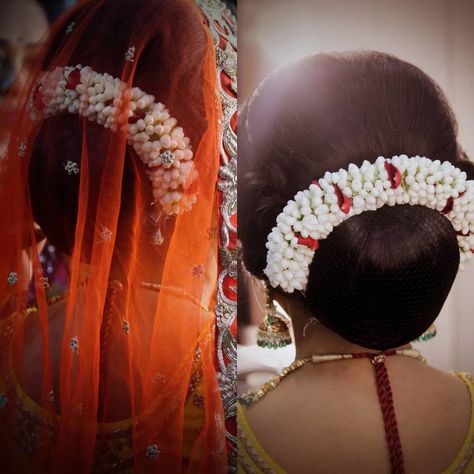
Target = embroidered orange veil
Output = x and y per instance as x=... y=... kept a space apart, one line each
x=113 y=158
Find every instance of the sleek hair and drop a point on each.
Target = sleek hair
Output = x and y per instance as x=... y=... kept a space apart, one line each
x=380 y=278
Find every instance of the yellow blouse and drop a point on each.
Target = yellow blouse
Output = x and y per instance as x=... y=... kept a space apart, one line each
x=114 y=446
x=253 y=458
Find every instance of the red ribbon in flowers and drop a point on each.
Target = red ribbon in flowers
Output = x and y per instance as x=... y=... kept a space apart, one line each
x=449 y=206
x=137 y=116
x=74 y=79
x=313 y=244
x=343 y=201
x=393 y=175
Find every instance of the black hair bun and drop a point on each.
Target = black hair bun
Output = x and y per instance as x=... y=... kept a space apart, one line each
x=381 y=277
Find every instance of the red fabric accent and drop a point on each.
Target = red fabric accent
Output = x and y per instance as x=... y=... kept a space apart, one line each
x=393 y=175
x=313 y=244
x=73 y=79
x=316 y=182
x=449 y=206
x=136 y=116
x=342 y=200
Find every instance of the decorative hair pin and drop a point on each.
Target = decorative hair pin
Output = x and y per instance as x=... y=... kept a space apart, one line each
x=71 y=167
x=150 y=129
x=313 y=213
x=130 y=54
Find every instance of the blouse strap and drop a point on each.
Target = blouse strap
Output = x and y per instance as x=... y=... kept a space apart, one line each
x=251 y=451
x=464 y=461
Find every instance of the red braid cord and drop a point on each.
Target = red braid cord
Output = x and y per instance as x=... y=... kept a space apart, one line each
x=384 y=391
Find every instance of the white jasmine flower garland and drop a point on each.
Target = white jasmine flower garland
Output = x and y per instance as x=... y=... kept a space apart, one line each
x=150 y=129
x=314 y=212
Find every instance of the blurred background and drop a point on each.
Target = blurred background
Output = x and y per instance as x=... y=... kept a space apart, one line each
x=23 y=25
x=435 y=35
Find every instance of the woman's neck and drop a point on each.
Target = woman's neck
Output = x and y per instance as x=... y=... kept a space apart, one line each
x=312 y=337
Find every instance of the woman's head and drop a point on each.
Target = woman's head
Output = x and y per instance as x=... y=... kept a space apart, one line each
x=101 y=35
x=381 y=277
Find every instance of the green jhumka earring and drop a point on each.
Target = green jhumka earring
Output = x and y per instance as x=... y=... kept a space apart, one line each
x=273 y=332
x=427 y=335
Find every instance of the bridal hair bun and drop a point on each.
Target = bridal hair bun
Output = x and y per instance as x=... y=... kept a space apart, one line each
x=355 y=198
x=314 y=212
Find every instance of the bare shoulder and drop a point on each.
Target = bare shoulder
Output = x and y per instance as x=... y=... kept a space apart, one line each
x=434 y=411
x=435 y=388
x=315 y=415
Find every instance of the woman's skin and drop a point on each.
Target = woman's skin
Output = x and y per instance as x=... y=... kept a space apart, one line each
x=327 y=418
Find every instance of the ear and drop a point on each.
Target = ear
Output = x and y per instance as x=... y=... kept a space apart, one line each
x=293 y=304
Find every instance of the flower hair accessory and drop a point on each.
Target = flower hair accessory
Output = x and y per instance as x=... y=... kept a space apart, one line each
x=150 y=129
x=313 y=213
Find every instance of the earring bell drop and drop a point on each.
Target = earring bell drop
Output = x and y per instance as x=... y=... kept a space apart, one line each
x=430 y=333
x=273 y=331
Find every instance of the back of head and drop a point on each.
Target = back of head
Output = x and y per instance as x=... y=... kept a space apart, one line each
x=100 y=35
x=381 y=277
